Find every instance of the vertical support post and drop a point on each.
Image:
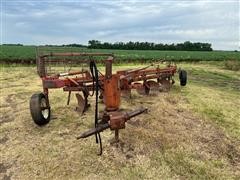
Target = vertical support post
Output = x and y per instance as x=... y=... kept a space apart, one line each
x=117 y=135
x=45 y=91
x=108 y=70
x=69 y=96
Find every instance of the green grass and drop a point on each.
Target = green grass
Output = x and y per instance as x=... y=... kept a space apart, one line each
x=27 y=54
x=214 y=93
x=188 y=165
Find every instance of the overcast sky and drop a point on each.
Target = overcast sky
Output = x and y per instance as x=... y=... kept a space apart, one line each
x=77 y=21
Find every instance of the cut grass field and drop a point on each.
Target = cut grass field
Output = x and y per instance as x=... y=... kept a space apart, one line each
x=27 y=54
x=192 y=132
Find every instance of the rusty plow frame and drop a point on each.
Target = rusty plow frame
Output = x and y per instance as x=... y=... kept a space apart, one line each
x=89 y=81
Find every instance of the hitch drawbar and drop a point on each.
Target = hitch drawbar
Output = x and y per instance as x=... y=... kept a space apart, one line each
x=113 y=120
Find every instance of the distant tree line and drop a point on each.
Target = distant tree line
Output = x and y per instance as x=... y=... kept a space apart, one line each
x=51 y=45
x=12 y=44
x=186 y=46
x=96 y=44
x=66 y=45
x=74 y=45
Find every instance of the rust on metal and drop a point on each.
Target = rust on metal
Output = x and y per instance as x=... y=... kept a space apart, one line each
x=110 y=85
x=111 y=93
x=117 y=121
x=81 y=104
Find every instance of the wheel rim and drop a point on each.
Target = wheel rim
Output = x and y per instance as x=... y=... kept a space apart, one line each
x=45 y=109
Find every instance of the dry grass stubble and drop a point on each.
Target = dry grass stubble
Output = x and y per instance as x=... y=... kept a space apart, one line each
x=170 y=142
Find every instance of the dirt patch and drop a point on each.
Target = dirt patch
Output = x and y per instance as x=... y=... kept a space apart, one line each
x=13 y=99
x=3 y=140
x=7 y=177
x=10 y=100
x=6 y=119
x=233 y=154
x=13 y=104
x=3 y=168
x=124 y=148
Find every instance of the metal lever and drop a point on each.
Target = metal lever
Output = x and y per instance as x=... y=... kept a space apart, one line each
x=98 y=129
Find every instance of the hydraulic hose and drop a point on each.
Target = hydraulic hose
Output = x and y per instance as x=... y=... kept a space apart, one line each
x=94 y=72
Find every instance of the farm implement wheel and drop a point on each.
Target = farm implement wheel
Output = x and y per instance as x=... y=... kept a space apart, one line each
x=183 y=77
x=39 y=109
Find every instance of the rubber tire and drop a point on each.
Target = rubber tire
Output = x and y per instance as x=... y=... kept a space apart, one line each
x=35 y=109
x=183 y=77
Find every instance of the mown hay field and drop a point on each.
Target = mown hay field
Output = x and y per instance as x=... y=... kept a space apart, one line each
x=27 y=54
x=191 y=132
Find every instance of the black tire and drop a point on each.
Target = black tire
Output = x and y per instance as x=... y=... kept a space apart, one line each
x=39 y=110
x=183 y=77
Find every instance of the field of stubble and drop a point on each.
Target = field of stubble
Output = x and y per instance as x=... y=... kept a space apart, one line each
x=191 y=132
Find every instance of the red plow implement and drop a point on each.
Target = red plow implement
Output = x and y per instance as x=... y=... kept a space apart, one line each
x=83 y=77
